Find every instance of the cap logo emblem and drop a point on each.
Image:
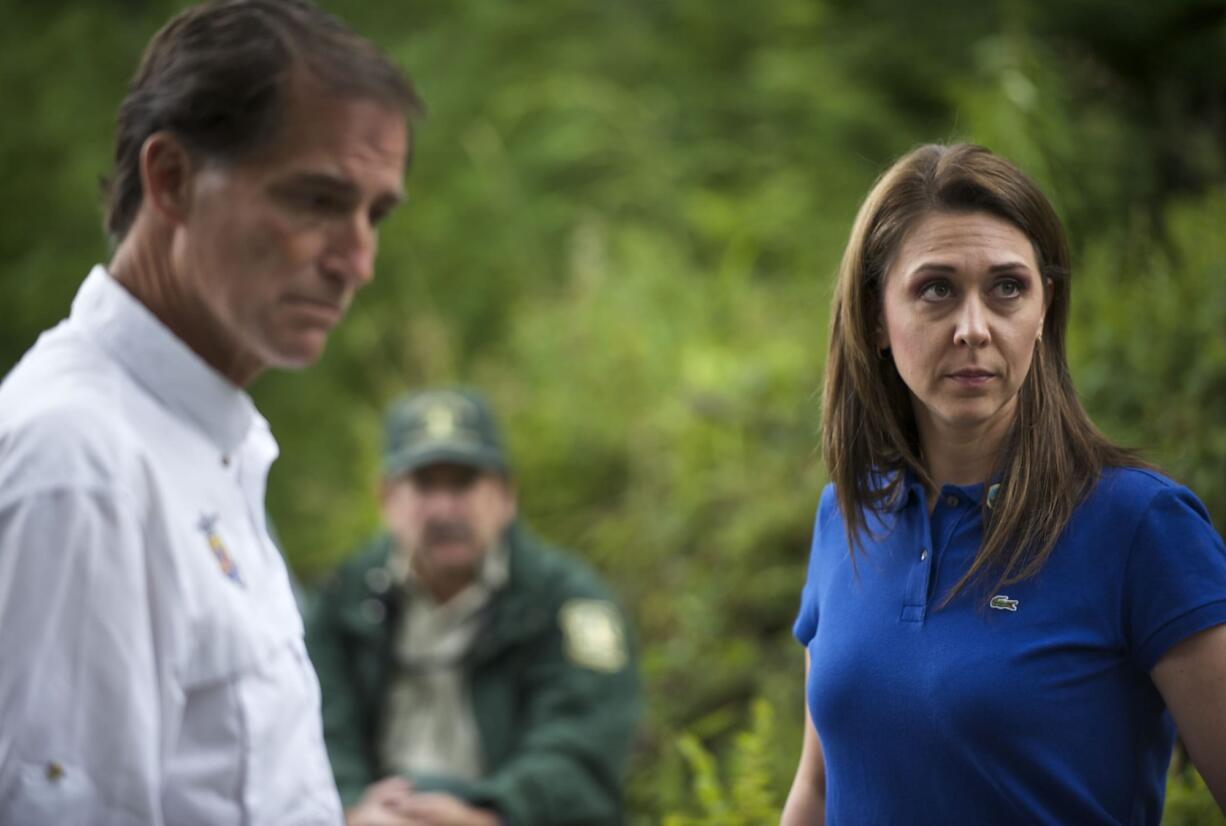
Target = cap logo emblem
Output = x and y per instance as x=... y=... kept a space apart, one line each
x=440 y=422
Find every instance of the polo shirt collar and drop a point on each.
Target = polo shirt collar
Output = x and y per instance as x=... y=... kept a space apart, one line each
x=913 y=491
x=160 y=362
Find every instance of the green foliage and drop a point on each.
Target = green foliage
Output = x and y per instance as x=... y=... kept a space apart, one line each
x=744 y=794
x=623 y=223
x=1188 y=802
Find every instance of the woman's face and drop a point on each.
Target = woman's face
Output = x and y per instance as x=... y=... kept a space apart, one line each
x=962 y=308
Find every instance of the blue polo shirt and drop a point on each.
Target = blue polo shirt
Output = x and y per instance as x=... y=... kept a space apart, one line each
x=1037 y=708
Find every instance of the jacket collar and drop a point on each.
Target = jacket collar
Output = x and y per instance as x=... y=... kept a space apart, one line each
x=517 y=612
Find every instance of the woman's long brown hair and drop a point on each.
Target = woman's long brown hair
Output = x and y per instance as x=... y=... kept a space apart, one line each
x=1052 y=455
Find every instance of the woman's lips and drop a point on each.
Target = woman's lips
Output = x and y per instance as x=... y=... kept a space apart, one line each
x=972 y=378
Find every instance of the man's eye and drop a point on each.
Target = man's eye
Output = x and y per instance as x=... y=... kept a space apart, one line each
x=378 y=215
x=317 y=202
x=325 y=202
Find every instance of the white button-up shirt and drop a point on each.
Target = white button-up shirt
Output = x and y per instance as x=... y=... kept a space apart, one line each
x=152 y=668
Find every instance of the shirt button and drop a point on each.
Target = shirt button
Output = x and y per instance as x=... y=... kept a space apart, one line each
x=225 y=461
x=54 y=771
x=951 y=500
x=923 y=554
x=378 y=580
x=373 y=611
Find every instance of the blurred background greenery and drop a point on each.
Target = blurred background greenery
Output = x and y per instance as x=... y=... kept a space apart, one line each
x=623 y=222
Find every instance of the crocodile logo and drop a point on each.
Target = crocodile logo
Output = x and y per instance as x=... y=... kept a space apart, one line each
x=1002 y=603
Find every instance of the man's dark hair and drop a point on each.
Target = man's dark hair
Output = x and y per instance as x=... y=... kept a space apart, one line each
x=218 y=76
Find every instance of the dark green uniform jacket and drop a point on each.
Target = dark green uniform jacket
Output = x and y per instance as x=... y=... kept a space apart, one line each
x=556 y=713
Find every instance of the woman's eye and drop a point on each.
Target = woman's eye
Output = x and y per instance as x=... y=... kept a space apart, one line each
x=935 y=291
x=1008 y=288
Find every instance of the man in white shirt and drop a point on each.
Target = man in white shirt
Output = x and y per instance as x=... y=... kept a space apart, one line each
x=152 y=668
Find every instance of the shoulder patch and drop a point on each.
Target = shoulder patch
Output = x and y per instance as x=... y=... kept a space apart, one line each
x=593 y=634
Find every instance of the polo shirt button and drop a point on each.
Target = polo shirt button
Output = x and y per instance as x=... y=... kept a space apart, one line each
x=951 y=500
x=923 y=554
x=373 y=610
x=54 y=771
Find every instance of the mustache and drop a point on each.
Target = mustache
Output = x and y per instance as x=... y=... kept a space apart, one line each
x=447 y=531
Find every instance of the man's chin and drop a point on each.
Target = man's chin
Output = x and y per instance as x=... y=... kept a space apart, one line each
x=453 y=561
x=298 y=354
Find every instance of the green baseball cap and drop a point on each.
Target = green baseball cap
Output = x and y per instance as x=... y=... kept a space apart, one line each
x=446 y=425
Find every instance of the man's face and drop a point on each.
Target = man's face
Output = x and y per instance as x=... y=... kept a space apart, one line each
x=446 y=517
x=273 y=247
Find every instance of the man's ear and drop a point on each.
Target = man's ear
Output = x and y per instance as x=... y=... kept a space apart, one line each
x=512 y=497
x=167 y=170
x=384 y=494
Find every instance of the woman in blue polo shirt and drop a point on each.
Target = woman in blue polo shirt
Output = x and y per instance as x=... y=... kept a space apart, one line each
x=1004 y=610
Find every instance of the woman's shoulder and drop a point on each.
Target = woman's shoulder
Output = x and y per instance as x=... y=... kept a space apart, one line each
x=827 y=506
x=1135 y=485
x=1128 y=493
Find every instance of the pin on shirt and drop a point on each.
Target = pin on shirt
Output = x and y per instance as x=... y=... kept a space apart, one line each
x=208 y=526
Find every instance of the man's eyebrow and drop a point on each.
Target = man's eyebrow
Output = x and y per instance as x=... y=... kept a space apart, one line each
x=338 y=186
x=317 y=180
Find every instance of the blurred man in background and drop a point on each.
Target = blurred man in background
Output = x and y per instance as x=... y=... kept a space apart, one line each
x=154 y=670
x=470 y=675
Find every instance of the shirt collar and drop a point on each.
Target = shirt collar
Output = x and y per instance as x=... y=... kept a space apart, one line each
x=166 y=367
x=913 y=491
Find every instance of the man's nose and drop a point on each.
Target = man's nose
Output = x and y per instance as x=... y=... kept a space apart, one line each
x=351 y=257
x=443 y=500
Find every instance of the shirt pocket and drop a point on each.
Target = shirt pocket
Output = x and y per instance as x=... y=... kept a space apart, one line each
x=208 y=770
x=253 y=719
x=57 y=793
x=289 y=776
